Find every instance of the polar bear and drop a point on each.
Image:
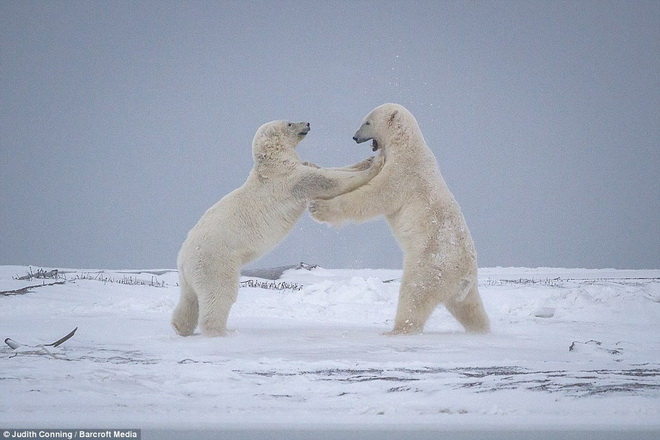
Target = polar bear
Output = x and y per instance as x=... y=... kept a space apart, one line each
x=250 y=221
x=440 y=262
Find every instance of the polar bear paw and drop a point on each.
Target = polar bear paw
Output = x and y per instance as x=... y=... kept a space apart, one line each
x=322 y=211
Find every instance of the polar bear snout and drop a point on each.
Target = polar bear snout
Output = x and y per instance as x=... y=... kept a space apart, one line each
x=305 y=128
x=365 y=133
x=297 y=128
x=359 y=139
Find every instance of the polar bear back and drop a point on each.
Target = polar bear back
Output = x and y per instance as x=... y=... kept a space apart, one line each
x=420 y=208
x=243 y=213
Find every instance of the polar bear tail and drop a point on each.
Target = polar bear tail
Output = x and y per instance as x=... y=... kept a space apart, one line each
x=186 y=313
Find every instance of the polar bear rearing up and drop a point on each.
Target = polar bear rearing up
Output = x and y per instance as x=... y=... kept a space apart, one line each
x=250 y=221
x=440 y=262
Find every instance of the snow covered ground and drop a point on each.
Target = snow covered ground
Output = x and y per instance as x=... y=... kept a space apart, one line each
x=571 y=350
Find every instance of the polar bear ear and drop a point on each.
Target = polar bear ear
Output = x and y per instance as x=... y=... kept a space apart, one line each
x=390 y=119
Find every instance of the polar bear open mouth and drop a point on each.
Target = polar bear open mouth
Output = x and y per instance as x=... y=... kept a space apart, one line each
x=374 y=145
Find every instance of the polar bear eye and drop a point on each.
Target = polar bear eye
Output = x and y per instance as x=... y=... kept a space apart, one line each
x=290 y=124
x=367 y=123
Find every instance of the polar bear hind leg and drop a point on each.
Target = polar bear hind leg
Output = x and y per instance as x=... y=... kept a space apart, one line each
x=186 y=313
x=216 y=298
x=416 y=303
x=418 y=299
x=468 y=309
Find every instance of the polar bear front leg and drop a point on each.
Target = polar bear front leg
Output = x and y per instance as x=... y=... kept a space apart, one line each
x=326 y=183
x=360 y=205
x=360 y=166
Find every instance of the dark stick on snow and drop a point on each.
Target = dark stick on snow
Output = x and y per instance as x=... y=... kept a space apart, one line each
x=24 y=290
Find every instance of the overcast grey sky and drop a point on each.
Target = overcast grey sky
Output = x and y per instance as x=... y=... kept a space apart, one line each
x=121 y=122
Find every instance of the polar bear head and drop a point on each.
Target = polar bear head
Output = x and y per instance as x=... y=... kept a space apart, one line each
x=276 y=138
x=386 y=123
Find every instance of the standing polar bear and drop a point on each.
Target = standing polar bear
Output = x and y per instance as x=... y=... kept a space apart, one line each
x=440 y=262
x=250 y=221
